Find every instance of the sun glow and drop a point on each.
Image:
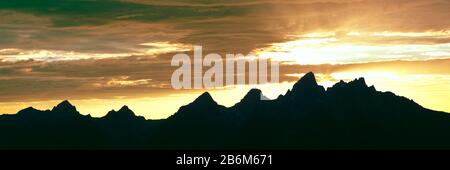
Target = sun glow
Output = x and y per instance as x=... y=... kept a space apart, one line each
x=429 y=90
x=427 y=87
x=437 y=34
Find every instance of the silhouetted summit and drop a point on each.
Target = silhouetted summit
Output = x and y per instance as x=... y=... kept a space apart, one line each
x=125 y=110
x=348 y=115
x=204 y=99
x=65 y=108
x=28 y=110
x=124 y=113
x=254 y=95
x=305 y=88
x=202 y=109
x=308 y=80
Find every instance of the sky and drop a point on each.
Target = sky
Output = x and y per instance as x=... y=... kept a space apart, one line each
x=103 y=54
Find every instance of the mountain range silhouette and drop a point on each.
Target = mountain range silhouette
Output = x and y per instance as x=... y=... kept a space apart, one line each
x=345 y=116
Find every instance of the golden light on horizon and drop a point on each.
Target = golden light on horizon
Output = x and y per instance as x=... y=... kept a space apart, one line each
x=356 y=47
x=429 y=90
x=119 y=57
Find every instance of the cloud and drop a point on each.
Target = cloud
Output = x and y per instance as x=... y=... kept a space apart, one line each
x=65 y=13
x=432 y=67
x=133 y=77
x=335 y=49
x=109 y=26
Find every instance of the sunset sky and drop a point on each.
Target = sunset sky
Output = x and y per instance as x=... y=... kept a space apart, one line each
x=102 y=54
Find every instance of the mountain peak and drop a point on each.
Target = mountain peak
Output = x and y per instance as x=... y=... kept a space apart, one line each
x=65 y=107
x=125 y=109
x=123 y=113
x=309 y=77
x=356 y=85
x=205 y=98
x=64 y=103
x=308 y=80
x=254 y=95
x=306 y=87
x=360 y=82
x=27 y=111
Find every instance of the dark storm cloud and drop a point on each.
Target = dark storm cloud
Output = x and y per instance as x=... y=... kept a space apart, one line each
x=237 y=26
x=95 y=12
x=93 y=26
